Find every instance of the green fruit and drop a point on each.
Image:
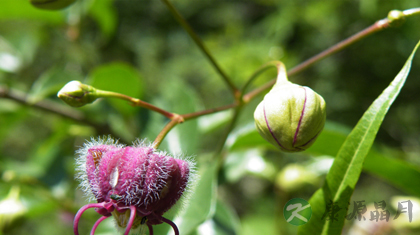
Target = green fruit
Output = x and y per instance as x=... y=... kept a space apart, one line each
x=290 y=116
x=51 y=4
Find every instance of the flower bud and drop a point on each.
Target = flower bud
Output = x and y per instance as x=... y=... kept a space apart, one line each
x=396 y=18
x=135 y=184
x=51 y=4
x=77 y=94
x=290 y=116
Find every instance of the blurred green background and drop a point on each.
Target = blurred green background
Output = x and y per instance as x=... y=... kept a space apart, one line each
x=137 y=48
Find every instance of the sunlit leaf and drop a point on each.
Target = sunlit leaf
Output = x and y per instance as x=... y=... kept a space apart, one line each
x=376 y=162
x=328 y=143
x=103 y=11
x=345 y=171
x=202 y=203
x=121 y=78
x=50 y=82
x=179 y=98
x=226 y=220
x=10 y=60
x=22 y=9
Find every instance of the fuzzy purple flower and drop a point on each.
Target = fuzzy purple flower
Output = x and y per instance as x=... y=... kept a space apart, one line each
x=134 y=184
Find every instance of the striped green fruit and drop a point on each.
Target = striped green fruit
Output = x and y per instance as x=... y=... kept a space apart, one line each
x=290 y=116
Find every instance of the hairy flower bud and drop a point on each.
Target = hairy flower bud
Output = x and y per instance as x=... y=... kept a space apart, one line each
x=77 y=94
x=290 y=116
x=135 y=184
x=51 y=4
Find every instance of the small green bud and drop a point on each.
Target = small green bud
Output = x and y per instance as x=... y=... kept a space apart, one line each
x=51 y=4
x=290 y=116
x=396 y=18
x=77 y=94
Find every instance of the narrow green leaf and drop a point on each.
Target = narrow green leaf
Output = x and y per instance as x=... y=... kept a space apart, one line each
x=389 y=169
x=345 y=171
x=202 y=204
x=225 y=219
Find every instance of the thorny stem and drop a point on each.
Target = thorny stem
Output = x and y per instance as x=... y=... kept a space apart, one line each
x=200 y=44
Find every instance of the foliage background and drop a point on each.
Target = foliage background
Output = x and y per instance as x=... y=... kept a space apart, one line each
x=137 y=48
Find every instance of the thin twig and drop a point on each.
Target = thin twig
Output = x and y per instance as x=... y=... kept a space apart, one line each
x=189 y=116
x=166 y=130
x=135 y=102
x=201 y=45
x=53 y=107
x=377 y=26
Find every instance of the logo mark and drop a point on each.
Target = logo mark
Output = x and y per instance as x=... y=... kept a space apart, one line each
x=297 y=211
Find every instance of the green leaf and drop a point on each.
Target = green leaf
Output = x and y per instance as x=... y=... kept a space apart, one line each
x=345 y=171
x=50 y=82
x=389 y=169
x=22 y=9
x=246 y=137
x=177 y=97
x=262 y=219
x=225 y=219
x=328 y=143
x=10 y=59
x=250 y=161
x=103 y=11
x=202 y=203
x=121 y=78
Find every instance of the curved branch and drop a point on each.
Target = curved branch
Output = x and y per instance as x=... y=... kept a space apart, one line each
x=53 y=107
x=200 y=44
x=376 y=27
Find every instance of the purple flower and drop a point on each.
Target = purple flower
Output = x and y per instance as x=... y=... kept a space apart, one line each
x=134 y=184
